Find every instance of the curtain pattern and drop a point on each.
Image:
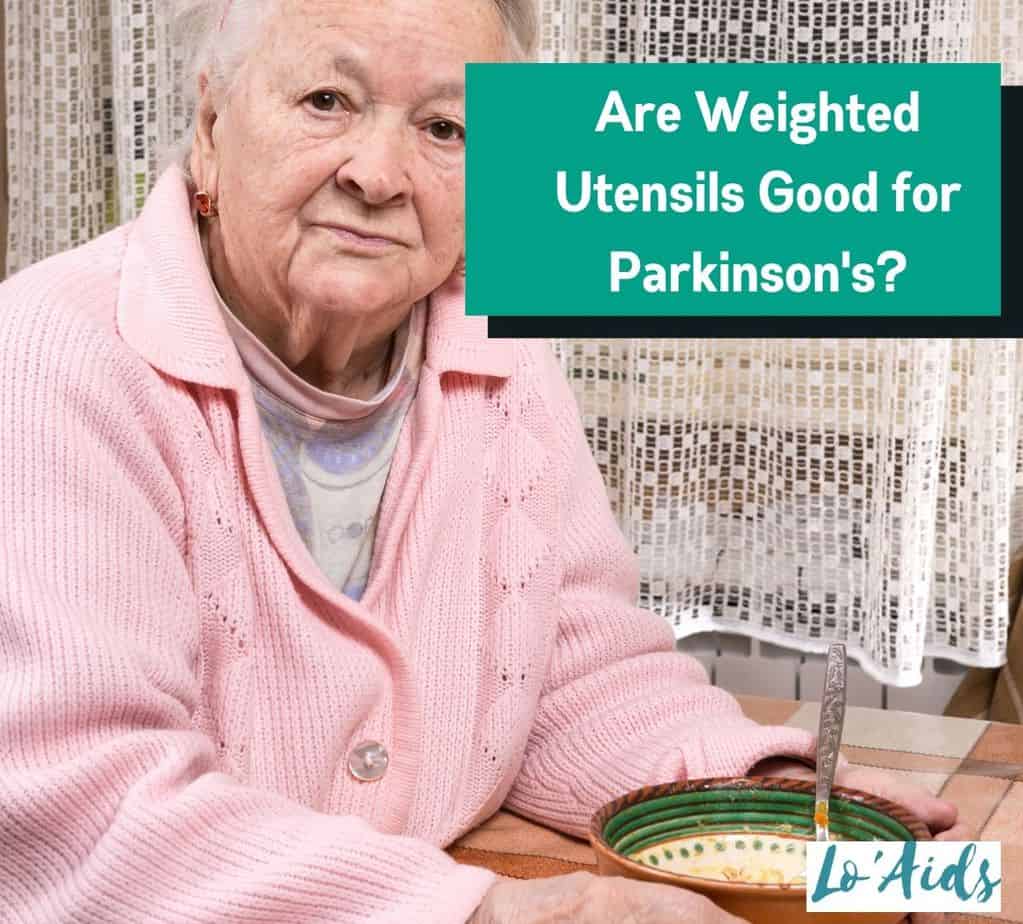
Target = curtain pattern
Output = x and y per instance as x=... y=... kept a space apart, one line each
x=803 y=492
x=93 y=101
x=759 y=30
x=796 y=491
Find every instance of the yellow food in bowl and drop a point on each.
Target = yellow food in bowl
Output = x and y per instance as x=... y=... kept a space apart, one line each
x=760 y=859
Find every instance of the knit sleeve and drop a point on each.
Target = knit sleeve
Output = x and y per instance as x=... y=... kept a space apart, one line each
x=620 y=707
x=112 y=809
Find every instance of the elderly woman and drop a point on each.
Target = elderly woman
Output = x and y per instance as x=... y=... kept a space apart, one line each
x=303 y=577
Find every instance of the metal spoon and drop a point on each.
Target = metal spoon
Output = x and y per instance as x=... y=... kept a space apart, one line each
x=829 y=735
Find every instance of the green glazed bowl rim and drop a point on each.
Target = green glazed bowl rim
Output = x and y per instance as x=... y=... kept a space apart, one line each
x=842 y=800
x=796 y=809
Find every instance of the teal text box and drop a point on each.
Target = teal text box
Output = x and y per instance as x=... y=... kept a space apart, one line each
x=650 y=227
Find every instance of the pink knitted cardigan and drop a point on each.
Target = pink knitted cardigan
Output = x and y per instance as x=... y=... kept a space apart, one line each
x=179 y=685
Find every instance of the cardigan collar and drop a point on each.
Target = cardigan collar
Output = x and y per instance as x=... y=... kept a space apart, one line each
x=167 y=308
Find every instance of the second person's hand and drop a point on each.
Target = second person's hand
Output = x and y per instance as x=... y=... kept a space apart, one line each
x=582 y=898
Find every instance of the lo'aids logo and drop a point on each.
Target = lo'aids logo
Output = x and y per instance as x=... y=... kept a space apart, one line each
x=941 y=876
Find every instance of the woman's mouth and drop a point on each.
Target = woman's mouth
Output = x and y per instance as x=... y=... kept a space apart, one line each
x=356 y=239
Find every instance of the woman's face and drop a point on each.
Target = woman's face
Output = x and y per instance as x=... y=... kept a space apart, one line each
x=338 y=163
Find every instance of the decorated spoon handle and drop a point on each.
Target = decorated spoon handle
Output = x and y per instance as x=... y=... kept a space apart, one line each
x=829 y=735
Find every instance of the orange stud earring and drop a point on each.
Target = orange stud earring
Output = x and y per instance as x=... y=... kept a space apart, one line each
x=207 y=207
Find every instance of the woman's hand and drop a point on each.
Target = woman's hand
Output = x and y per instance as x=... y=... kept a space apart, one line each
x=940 y=815
x=582 y=898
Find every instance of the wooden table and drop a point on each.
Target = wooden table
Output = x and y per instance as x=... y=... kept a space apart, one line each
x=978 y=765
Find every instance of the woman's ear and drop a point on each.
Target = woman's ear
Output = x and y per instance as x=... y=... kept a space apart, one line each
x=203 y=160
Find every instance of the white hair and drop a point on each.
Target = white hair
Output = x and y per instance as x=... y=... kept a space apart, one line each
x=219 y=44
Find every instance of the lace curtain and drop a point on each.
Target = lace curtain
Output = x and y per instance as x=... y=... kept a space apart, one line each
x=92 y=104
x=795 y=491
x=804 y=492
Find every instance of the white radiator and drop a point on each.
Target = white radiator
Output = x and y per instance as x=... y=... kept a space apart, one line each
x=751 y=667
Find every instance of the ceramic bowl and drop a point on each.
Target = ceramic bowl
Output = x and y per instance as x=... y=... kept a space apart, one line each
x=740 y=841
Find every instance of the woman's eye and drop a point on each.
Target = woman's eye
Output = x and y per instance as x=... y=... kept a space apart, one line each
x=324 y=101
x=444 y=130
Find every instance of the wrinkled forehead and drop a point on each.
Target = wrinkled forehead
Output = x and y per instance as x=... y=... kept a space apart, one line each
x=385 y=41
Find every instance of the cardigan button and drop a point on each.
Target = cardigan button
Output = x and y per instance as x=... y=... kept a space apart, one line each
x=368 y=761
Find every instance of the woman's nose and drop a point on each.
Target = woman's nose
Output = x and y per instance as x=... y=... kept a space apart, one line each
x=376 y=171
